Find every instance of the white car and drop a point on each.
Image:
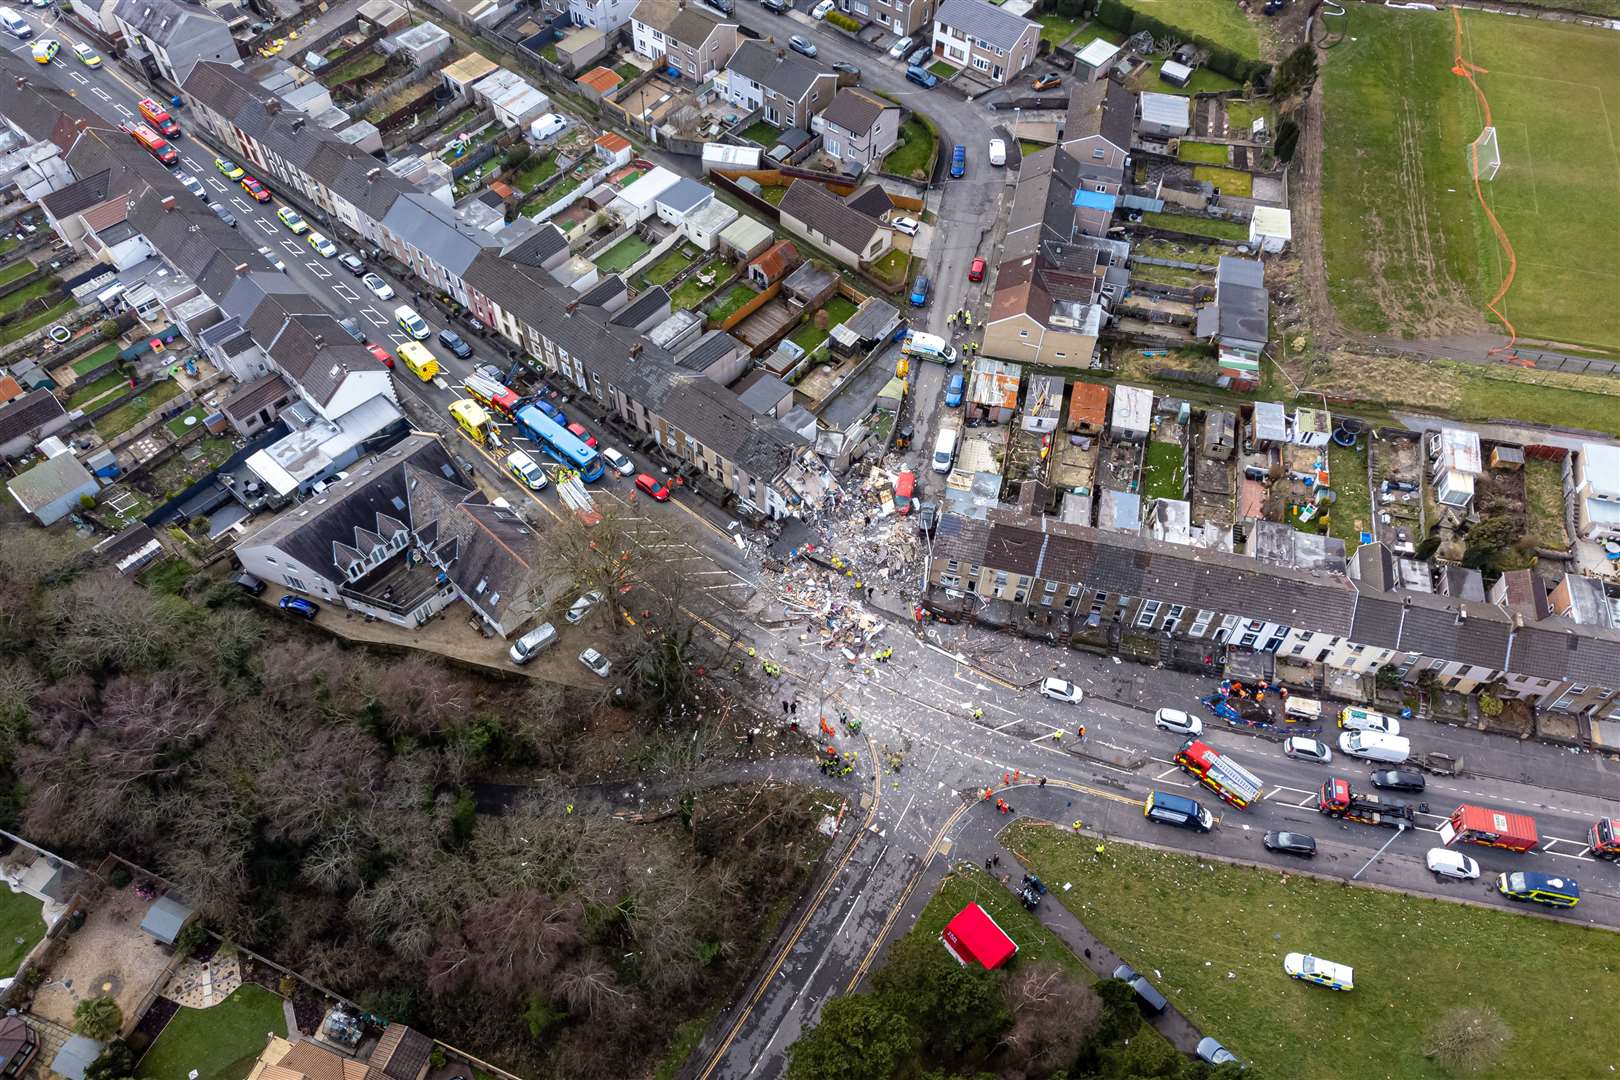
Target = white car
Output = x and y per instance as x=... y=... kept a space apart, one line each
x=900 y=48
x=412 y=323
x=617 y=461
x=1211 y=1050
x=582 y=607
x=1452 y=864
x=907 y=225
x=321 y=485
x=323 y=247
x=998 y=151
x=1061 y=690
x=193 y=185
x=599 y=664
x=379 y=288
x=1296 y=746
x=820 y=10
x=529 y=474
x=1177 y=721
x=273 y=259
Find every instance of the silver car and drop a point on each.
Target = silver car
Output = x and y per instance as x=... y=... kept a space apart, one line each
x=582 y=607
x=599 y=664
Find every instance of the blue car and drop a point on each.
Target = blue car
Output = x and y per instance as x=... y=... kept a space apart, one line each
x=919 y=291
x=953 y=393
x=299 y=606
x=922 y=77
x=552 y=411
x=958 y=161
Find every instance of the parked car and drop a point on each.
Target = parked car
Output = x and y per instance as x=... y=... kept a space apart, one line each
x=1146 y=992
x=1210 y=1050
x=230 y=170
x=600 y=665
x=617 y=461
x=953 y=392
x=321 y=245
x=248 y=583
x=327 y=482
x=1291 y=843
x=919 y=56
x=87 y=56
x=958 y=161
x=1445 y=862
x=413 y=324
x=582 y=607
x=919 y=291
x=1061 y=690
x=533 y=643
x=379 y=288
x=802 y=45
x=820 y=11
x=846 y=68
x=998 y=152
x=382 y=356
x=649 y=483
x=580 y=432
x=1046 y=82
x=1177 y=721
x=291 y=218
x=976 y=270
x=297 y=605
x=922 y=77
x=527 y=471
x=1314 y=969
x=780 y=7
x=1296 y=746
x=901 y=48
x=223 y=214
x=927 y=516
x=352 y=328
x=193 y=185
x=258 y=191
x=454 y=342
x=490 y=372
x=352 y=263
x=273 y=259
x=1398 y=780
x=907 y=225
x=905 y=491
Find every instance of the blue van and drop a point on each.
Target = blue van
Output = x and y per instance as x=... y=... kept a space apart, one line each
x=953 y=393
x=922 y=77
x=1167 y=809
x=1539 y=889
x=958 y=161
x=919 y=291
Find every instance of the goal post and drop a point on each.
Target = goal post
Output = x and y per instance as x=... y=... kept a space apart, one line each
x=1484 y=156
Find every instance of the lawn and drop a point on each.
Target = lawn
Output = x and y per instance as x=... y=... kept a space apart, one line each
x=1408 y=248
x=220 y=1043
x=534 y=172
x=354 y=67
x=1202 y=153
x=733 y=301
x=1213 y=228
x=23 y=327
x=178 y=426
x=623 y=255
x=1203 y=81
x=967 y=884
x=943 y=69
x=628 y=71
x=916 y=151
x=1544 y=503
x=762 y=133
x=560 y=190
x=693 y=292
x=22 y=924
x=1027 y=147
x=1217 y=934
x=95 y=358
x=87 y=392
x=18 y=269
x=15 y=301
x=1217 y=21
x=1164 y=471
x=891 y=269
x=450 y=156
x=1351 y=513
x=808 y=336
x=773 y=193
x=136 y=408
x=1058 y=28
x=668 y=267
x=1226 y=181
x=1241 y=115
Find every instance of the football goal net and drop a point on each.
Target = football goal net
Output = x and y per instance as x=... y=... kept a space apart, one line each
x=1484 y=155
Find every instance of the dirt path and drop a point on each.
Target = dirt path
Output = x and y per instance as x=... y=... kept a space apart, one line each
x=1307 y=206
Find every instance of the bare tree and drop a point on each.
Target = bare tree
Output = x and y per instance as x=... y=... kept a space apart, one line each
x=105 y=621
x=506 y=945
x=1466 y=1039
x=588 y=986
x=420 y=696
x=1052 y=1015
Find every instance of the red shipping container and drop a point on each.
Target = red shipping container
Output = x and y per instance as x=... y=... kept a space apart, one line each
x=1493 y=828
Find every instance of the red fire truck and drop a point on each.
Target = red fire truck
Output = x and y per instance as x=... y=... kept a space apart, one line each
x=1337 y=799
x=1225 y=777
x=154 y=143
x=158 y=117
x=1604 y=839
x=1493 y=828
x=493 y=395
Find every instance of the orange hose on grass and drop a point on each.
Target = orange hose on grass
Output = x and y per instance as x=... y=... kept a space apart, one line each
x=1462 y=66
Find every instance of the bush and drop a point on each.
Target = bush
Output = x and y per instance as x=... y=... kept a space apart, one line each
x=190 y=939
x=437 y=1058
x=109 y=329
x=98 y=1018
x=118 y=1060
x=87 y=502
x=287 y=987
x=844 y=22
x=1490 y=705
x=119 y=877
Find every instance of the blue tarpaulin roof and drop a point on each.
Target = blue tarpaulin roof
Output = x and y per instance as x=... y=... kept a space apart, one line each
x=1094 y=200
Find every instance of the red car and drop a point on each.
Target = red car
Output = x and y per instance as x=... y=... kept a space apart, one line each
x=976 y=271
x=382 y=355
x=582 y=435
x=259 y=192
x=646 y=482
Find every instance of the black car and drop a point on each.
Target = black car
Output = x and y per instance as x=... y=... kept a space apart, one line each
x=1398 y=780
x=249 y=583
x=223 y=214
x=1291 y=843
x=847 y=68
x=352 y=328
x=1031 y=892
x=781 y=7
x=352 y=263
x=453 y=341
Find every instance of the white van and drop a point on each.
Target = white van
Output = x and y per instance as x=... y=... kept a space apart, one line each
x=945 y=450
x=1375 y=746
x=928 y=347
x=533 y=643
x=1357 y=719
x=998 y=151
x=15 y=24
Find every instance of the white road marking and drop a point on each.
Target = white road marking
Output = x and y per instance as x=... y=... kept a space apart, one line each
x=269 y=229
x=347 y=293
x=237 y=202
x=216 y=183
x=318 y=270
x=192 y=165
x=80 y=79
x=292 y=246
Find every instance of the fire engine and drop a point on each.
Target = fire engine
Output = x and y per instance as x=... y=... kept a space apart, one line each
x=153 y=142
x=1493 y=828
x=1225 y=777
x=1604 y=839
x=158 y=117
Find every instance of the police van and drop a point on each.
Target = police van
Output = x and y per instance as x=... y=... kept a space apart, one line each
x=1177 y=810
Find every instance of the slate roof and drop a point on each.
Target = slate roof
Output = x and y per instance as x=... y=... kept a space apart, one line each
x=256 y=395
x=982 y=20
x=32 y=410
x=1430 y=624
x=1241 y=302
x=817 y=208
x=685 y=23
x=709 y=349
x=871 y=200
x=165 y=21
x=79 y=195
x=48 y=481
x=1103 y=108
x=538 y=247
x=788 y=74
x=435 y=231
x=610 y=288
x=643 y=307
x=401 y=1052
x=1556 y=648
x=685 y=195
x=854 y=111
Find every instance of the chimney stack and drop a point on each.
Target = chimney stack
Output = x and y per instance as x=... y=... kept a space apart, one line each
x=168 y=203
x=635 y=350
x=373 y=174
x=569 y=310
x=320 y=339
x=298 y=122
x=21 y=82
x=241 y=269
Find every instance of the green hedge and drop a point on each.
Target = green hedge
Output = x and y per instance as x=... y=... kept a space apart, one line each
x=1115 y=15
x=844 y=22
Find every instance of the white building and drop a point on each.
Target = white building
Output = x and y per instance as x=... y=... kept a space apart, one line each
x=1457 y=463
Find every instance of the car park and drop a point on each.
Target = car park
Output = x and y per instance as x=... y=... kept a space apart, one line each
x=352 y=263
x=223 y=214
x=598 y=664
x=802 y=45
x=273 y=259
x=455 y=343
x=231 y=170
x=321 y=245
x=297 y=605
x=919 y=291
x=976 y=270
x=533 y=643
x=258 y=191
x=1046 y=82
x=617 y=461
x=582 y=607
x=953 y=392
x=907 y=225
x=528 y=473
x=1297 y=746
x=901 y=48
x=1146 y=992
x=958 y=161
x=378 y=287
x=1314 y=969
x=1061 y=690
x=1398 y=780
x=1290 y=843
x=412 y=323
x=1444 y=862
x=649 y=483
x=1177 y=721
x=292 y=219
x=87 y=56
x=922 y=77
x=382 y=356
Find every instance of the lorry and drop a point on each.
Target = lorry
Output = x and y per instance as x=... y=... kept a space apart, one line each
x=1337 y=799
x=1218 y=772
x=1604 y=839
x=1492 y=828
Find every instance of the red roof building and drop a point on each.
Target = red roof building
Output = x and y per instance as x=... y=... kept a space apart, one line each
x=974 y=935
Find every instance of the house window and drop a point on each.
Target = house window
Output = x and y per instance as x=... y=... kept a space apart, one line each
x=1149 y=612
x=1099 y=153
x=1023 y=333
x=1074 y=590
x=1247 y=640
x=1051 y=587
x=295 y=584
x=981 y=63
x=1201 y=623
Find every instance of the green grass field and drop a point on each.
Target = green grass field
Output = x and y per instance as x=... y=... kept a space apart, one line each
x=137 y=408
x=22 y=924
x=623 y=255
x=915 y=153
x=221 y=1042
x=1227 y=181
x=1217 y=934
x=1351 y=513
x=1203 y=153
x=1221 y=22
x=1198 y=226
x=1408 y=248
x=84 y=392
x=1164 y=471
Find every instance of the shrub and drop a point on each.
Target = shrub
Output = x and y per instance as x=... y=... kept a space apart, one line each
x=109 y=329
x=1490 y=705
x=844 y=22
x=287 y=987
x=119 y=877
x=87 y=502
x=436 y=1058
x=98 y=1018
x=190 y=939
